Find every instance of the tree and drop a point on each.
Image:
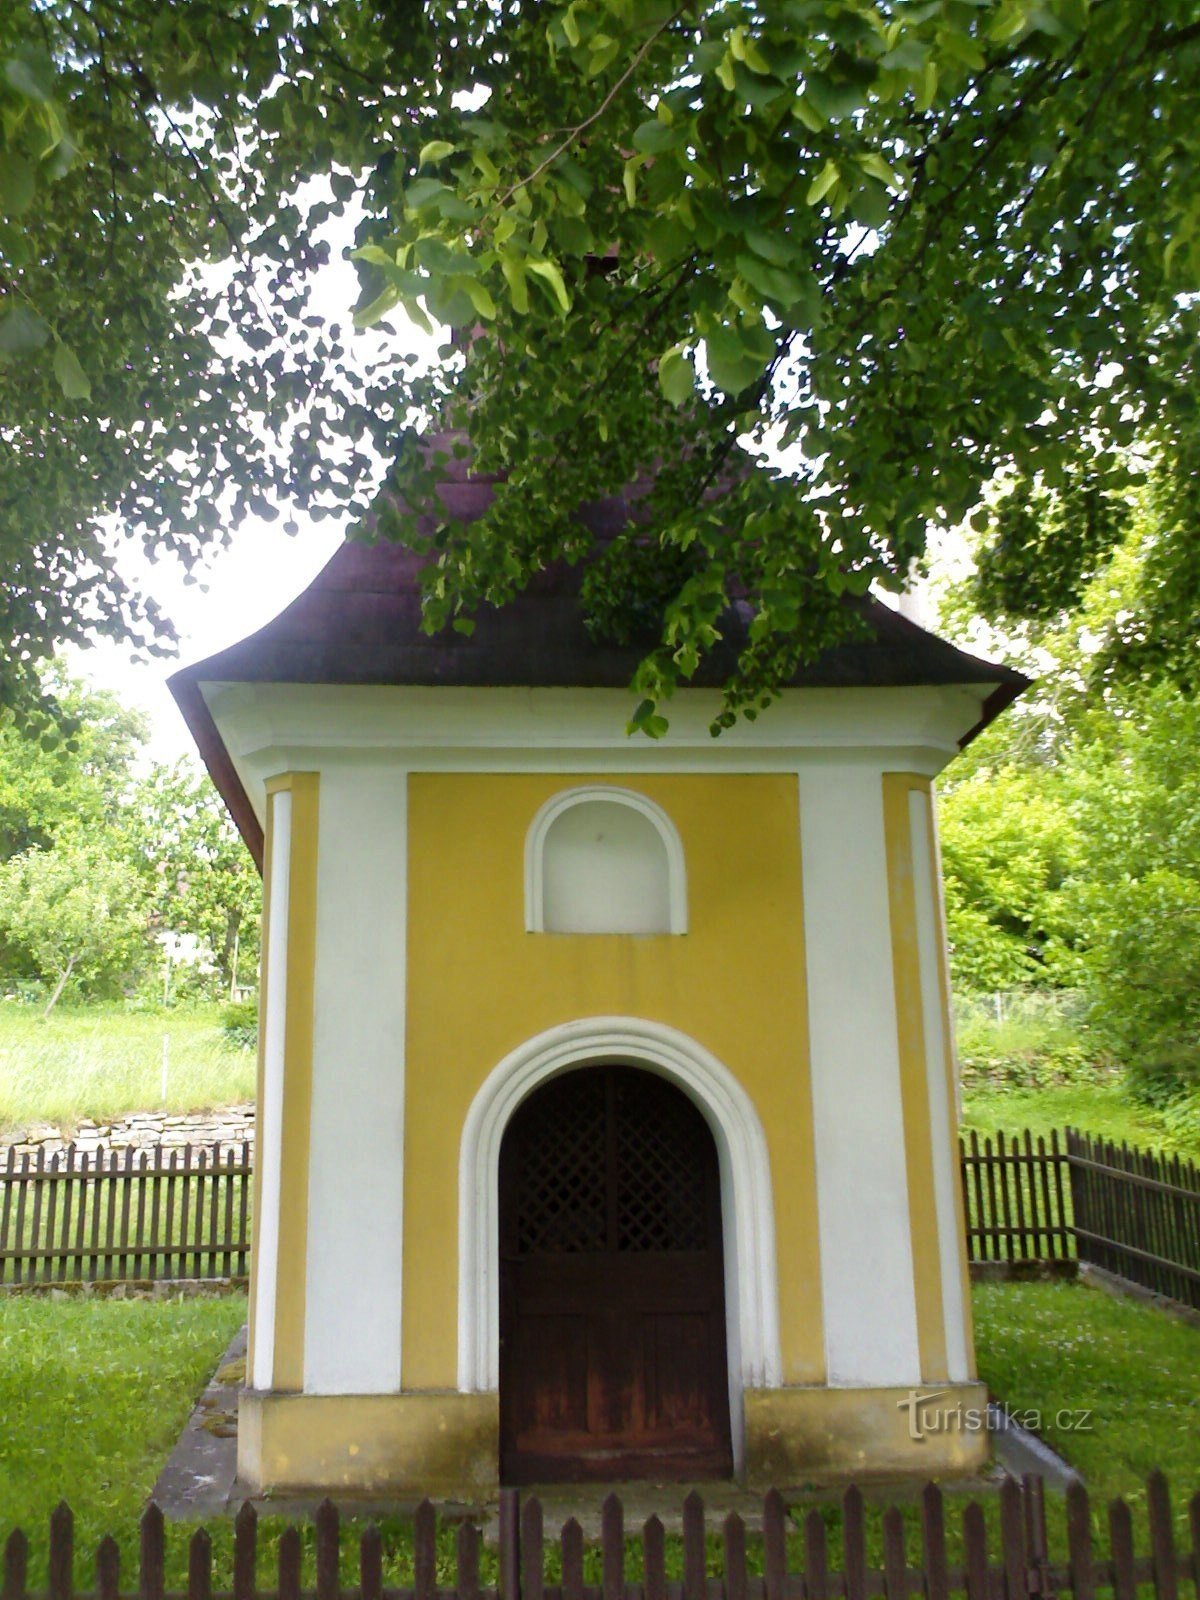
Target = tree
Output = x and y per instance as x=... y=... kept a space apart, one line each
x=200 y=877
x=918 y=243
x=73 y=775
x=1010 y=844
x=1072 y=830
x=87 y=779
x=77 y=911
x=1138 y=901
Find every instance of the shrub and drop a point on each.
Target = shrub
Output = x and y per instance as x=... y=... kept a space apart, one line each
x=239 y=1023
x=1041 y=1042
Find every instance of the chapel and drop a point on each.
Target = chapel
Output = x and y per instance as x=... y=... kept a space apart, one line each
x=606 y=1095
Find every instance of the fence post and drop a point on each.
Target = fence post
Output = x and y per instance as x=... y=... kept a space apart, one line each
x=1037 y=1546
x=1077 y=1177
x=62 y=1552
x=510 y=1544
x=16 y=1565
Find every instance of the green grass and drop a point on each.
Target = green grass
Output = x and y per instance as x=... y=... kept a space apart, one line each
x=93 y=1394
x=101 y=1061
x=1053 y=1347
x=1098 y=1108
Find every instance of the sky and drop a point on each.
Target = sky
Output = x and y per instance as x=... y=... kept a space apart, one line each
x=243 y=587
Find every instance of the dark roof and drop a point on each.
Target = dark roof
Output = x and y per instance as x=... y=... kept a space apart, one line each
x=359 y=622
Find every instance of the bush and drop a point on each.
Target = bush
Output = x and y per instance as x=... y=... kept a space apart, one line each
x=239 y=1023
x=1029 y=1041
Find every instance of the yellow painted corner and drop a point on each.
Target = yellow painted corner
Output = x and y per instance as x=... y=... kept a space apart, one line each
x=918 y=1138
x=295 y=1132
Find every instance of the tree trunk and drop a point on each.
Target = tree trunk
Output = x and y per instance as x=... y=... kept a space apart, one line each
x=58 y=988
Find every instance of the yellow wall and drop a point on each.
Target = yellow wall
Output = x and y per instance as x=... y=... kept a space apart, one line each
x=479 y=986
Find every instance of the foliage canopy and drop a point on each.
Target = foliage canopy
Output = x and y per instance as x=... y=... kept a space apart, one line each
x=101 y=853
x=914 y=243
x=1071 y=838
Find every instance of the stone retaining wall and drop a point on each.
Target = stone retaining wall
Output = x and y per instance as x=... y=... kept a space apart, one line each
x=140 y=1130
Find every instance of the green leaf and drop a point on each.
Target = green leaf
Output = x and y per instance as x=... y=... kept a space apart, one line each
x=604 y=52
x=385 y=301
x=875 y=166
x=550 y=273
x=513 y=268
x=375 y=254
x=22 y=331
x=629 y=178
x=825 y=180
x=736 y=360
x=18 y=183
x=478 y=295
x=676 y=376
x=435 y=150
x=424 y=192
x=33 y=80
x=653 y=137
x=772 y=282
x=72 y=379
x=570 y=27
x=907 y=56
x=771 y=246
x=744 y=49
x=834 y=99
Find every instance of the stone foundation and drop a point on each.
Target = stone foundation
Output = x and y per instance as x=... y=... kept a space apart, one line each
x=796 y=1436
x=444 y=1445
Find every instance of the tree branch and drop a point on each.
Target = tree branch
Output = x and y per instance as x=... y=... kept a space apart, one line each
x=581 y=127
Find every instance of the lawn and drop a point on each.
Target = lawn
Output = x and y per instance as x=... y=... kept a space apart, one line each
x=93 y=1393
x=1101 y=1108
x=1056 y=1347
x=100 y=1061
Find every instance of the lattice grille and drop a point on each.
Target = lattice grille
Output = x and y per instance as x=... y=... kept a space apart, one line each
x=611 y=1159
x=561 y=1187
x=662 y=1146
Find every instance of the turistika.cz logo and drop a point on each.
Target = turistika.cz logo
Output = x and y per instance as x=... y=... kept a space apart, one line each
x=930 y=1411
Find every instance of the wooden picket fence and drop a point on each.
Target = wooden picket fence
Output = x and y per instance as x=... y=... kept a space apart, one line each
x=160 y=1213
x=1137 y=1214
x=1017 y=1197
x=1021 y=1568
x=185 y=1212
x=1132 y=1212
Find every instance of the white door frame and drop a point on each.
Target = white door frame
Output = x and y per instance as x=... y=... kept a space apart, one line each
x=747 y=1206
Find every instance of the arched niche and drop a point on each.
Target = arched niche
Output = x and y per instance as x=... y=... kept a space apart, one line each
x=600 y=859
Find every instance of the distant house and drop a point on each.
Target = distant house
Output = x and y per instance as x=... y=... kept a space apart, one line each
x=606 y=1093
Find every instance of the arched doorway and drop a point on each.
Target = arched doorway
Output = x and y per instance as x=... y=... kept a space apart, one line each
x=612 y=1300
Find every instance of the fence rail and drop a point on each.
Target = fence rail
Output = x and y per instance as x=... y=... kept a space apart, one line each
x=121 y=1215
x=1016 y=1196
x=1021 y=1566
x=185 y=1212
x=1132 y=1212
x=1137 y=1214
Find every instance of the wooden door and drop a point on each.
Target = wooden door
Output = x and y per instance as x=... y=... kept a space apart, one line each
x=612 y=1302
